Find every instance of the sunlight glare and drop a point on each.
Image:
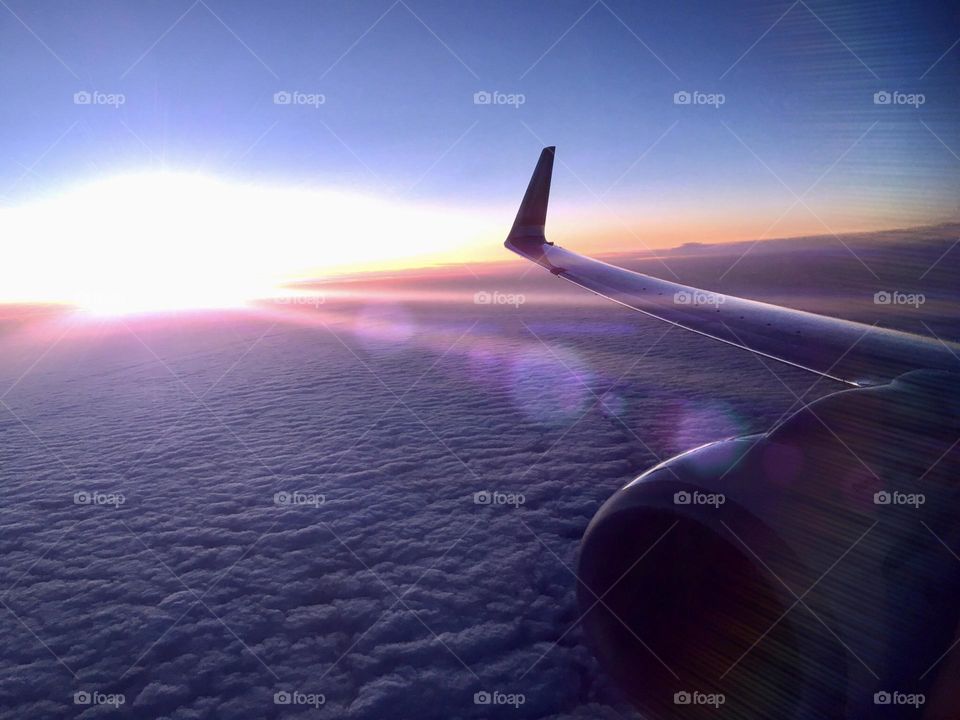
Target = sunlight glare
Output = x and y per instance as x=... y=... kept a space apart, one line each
x=164 y=241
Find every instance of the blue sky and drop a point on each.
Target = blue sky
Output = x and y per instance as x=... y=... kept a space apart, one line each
x=597 y=79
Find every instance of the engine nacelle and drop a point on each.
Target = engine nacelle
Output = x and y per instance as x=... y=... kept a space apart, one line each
x=805 y=573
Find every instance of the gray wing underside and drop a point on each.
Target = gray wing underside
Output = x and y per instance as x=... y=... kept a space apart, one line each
x=849 y=352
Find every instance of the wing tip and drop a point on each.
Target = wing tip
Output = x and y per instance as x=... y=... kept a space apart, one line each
x=532 y=214
x=527 y=235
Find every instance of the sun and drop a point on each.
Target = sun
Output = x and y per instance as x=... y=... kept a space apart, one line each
x=152 y=242
x=138 y=243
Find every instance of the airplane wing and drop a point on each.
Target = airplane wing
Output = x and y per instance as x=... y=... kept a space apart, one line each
x=842 y=350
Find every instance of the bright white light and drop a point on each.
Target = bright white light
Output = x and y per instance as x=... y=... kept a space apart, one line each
x=167 y=241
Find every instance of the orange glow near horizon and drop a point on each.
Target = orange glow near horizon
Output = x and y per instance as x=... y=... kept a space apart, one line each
x=168 y=241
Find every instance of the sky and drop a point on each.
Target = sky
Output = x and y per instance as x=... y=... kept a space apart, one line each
x=297 y=139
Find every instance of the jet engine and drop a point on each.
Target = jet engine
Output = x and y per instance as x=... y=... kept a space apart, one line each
x=809 y=572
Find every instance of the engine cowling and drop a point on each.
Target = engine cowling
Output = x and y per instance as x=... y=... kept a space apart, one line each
x=807 y=572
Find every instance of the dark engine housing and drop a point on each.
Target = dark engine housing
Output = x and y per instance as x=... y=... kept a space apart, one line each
x=805 y=573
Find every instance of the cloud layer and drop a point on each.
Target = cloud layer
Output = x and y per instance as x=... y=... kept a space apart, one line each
x=308 y=526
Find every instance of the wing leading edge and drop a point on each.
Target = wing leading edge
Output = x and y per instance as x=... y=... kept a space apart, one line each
x=842 y=350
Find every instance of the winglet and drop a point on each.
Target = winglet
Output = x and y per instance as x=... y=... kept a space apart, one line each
x=527 y=233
